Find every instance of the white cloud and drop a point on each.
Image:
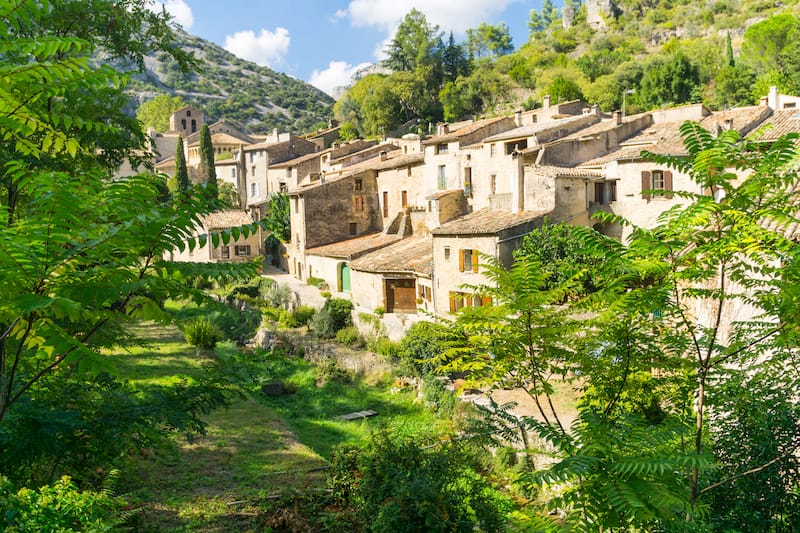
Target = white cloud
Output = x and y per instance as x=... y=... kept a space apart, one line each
x=267 y=48
x=337 y=74
x=179 y=9
x=456 y=15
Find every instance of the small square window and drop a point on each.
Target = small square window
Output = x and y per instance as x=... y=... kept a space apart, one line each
x=447 y=253
x=225 y=252
x=241 y=250
x=353 y=229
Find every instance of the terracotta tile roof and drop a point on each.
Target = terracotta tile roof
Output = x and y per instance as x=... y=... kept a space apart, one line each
x=220 y=138
x=567 y=172
x=400 y=160
x=781 y=122
x=442 y=194
x=356 y=247
x=532 y=129
x=226 y=219
x=414 y=254
x=469 y=128
x=665 y=138
x=377 y=148
x=266 y=145
x=299 y=160
x=487 y=222
x=603 y=126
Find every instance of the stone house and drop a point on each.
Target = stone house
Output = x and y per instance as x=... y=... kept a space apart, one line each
x=255 y=159
x=331 y=211
x=239 y=250
x=459 y=248
x=186 y=120
x=324 y=137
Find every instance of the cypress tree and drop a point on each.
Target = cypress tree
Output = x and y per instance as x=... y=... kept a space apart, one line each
x=729 y=52
x=181 y=172
x=207 y=170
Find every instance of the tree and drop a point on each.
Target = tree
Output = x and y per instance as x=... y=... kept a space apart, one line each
x=208 y=172
x=729 y=60
x=670 y=81
x=182 y=184
x=733 y=86
x=82 y=255
x=562 y=89
x=536 y=23
x=155 y=113
x=488 y=39
x=278 y=217
x=765 y=42
x=454 y=60
x=416 y=42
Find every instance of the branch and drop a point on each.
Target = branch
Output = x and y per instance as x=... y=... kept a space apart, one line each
x=748 y=472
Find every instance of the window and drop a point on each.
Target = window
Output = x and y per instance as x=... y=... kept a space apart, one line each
x=283 y=187
x=297 y=241
x=233 y=172
x=297 y=205
x=655 y=181
x=252 y=157
x=183 y=123
x=385 y=204
x=447 y=253
x=353 y=229
x=442 y=184
x=225 y=252
x=188 y=113
x=441 y=148
x=492 y=150
x=358 y=185
x=194 y=125
x=459 y=300
x=425 y=292
x=516 y=145
x=493 y=184
x=253 y=190
x=408 y=171
x=241 y=250
x=468 y=260
x=358 y=204
x=403 y=198
x=468 y=182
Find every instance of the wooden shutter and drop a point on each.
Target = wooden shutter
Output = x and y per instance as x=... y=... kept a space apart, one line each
x=452 y=302
x=668 y=184
x=474 y=260
x=461 y=260
x=486 y=300
x=647 y=184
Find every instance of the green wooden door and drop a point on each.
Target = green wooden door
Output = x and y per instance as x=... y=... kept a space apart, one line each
x=345 y=278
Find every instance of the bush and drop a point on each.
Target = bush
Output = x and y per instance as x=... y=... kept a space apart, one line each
x=396 y=484
x=329 y=371
x=437 y=398
x=303 y=314
x=277 y=295
x=58 y=507
x=423 y=342
x=325 y=294
x=383 y=346
x=340 y=310
x=317 y=282
x=380 y=311
x=202 y=333
x=322 y=324
x=348 y=335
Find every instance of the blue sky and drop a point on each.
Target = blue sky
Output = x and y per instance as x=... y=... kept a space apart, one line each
x=324 y=41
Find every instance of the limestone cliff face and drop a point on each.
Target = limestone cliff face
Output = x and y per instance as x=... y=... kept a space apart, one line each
x=597 y=11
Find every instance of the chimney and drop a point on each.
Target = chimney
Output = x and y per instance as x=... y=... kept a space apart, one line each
x=546 y=101
x=763 y=101
x=617 y=116
x=383 y=155
x=773 y=98
x=595 y=110
x=518 y=118
x=443 y=128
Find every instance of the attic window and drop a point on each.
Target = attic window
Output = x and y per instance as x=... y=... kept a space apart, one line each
x=441 y=148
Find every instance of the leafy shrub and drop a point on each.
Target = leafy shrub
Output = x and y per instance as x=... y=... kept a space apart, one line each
x=348 y=335
x=437 y=398
x=286 y=319
x=339 y=309
x=58 y=507
x=303 y=314
x=317 y=282
x=325 y=294
x=329 y=371
x=277 y=295
x=381 y=345
x=395 y=484
x=423 y=342
x=380 y=311
x=322 y=324
x=202 y=333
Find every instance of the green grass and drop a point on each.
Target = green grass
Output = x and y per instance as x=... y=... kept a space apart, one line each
x=311 y=411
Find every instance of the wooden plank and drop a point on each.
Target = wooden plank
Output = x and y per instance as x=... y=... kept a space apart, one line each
x=358 y=414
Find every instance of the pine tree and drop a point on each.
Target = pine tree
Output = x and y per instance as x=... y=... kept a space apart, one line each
x=181 y=172
x=208 y=172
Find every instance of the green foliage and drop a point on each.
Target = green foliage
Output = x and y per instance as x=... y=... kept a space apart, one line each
x=416 y=43
x=208 y=172
x=483 y=89
x=562 y=89
x=182 y=185
x=202 y=333
x=322 y=324
x=303 y=314
x=395 y=484
x=155 y=113
x=422 y=346
x=277 y=294
x=340 y=311
x=669 y=81
x=489 y=40
x=60 y=506
x=317 y=282
x=228 y=196
x=348 y=336
x=765 y=42
x=278 y=218
x=437 y=398
x=733 y=87
x=382 y=345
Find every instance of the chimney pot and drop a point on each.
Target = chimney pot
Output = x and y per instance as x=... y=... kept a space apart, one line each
x=546 y=101
x=617 y=117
